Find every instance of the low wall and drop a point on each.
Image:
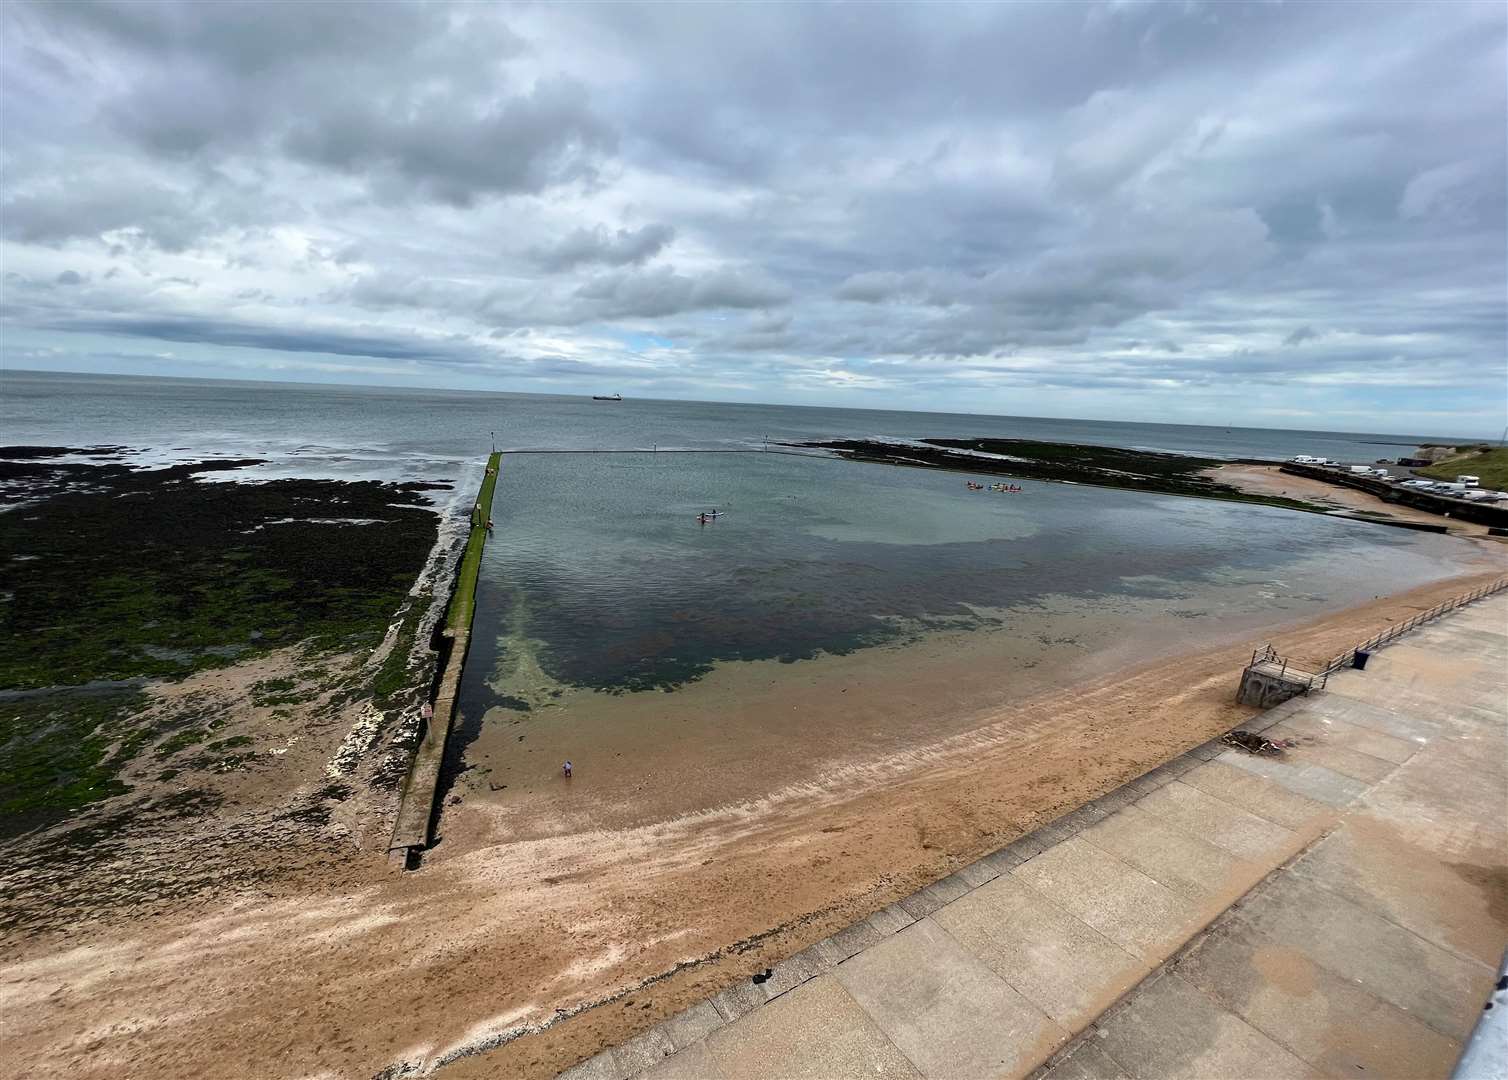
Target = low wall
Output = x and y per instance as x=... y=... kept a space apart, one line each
x=1419 y=500
x=416 y=803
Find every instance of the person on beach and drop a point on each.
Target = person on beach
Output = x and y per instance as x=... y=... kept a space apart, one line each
x=566 y=770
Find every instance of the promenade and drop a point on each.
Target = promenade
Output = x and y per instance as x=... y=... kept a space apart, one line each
x=1340 y=910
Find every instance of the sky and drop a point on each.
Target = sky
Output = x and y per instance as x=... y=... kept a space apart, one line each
x=1287 y=215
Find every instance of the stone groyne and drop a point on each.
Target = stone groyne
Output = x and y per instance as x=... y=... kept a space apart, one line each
x=416 y=802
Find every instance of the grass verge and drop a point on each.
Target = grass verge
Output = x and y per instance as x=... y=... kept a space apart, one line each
x=1491 y=465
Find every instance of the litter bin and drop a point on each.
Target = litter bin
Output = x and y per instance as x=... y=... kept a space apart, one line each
x=1359 y=662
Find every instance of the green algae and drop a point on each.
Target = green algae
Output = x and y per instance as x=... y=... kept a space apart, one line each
x=110 y=574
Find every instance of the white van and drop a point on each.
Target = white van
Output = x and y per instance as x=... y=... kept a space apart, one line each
x=1469 y=481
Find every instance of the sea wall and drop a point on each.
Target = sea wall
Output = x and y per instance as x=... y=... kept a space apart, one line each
x=416 y=801
x=1419 y=500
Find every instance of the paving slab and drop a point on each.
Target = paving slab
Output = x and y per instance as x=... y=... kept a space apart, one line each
x=1243 y=834
x=1423 y=701
x=1122 y=903
x=948 y=1013
x=1063 y=966
x=978 y=873
x=1321 y=749
x=1450 y=800
x=739 y=999
x=1261 y=796
x=685 y=1028
x=693 y=1063
x=642 y=1051
x=1311 y=724
x=850 y=940
x=1388 y=961
x=1169 y=1029
x=1002 y=860
x=1310 y=779
x=1457 y=903
x=1086 y=1062
x=816 y=1032
x=1374 y=716
x=924 y=902
x=889 y=920
x=1114 y=800
x=793 y=971
x=597 y=1067
x=1330 y=1022
x=1194 y=868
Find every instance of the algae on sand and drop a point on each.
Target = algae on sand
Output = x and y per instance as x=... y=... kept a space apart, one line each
x=151 y=574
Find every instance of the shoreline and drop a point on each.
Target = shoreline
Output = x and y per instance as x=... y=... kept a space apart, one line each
x=513 y=932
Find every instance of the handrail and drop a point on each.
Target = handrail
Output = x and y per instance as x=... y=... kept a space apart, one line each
x=1269 y=655
x=1348 y=657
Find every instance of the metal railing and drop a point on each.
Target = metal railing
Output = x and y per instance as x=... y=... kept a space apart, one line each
x=1348 y=657
x=1268 y=655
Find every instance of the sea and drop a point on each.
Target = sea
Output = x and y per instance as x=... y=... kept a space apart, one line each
x=386 y=432
x=602 y=590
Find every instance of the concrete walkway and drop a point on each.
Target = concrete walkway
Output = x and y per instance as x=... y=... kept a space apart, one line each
x=1339 y=911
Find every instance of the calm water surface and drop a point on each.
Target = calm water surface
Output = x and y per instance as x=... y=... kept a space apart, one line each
x=600 y=578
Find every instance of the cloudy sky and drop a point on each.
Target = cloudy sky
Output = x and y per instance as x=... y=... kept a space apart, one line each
x=1281 y=214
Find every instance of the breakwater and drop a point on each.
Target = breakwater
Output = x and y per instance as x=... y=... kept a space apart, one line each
x=416 y=802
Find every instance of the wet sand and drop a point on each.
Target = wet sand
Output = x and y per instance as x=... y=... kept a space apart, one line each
x=753 y=727
x=514 y=927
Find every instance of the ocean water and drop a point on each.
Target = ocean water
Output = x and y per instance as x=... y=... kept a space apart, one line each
x=600 y=581
x=384 y=432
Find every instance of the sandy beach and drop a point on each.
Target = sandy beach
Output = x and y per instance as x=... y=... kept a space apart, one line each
x=504 y=942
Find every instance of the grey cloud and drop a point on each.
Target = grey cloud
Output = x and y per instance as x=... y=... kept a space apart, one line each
x=974 y=196
x=524 y=144
x=70 y=277
x=597 y=245
x=315 y=82
x=51 y=215
x=656 y=293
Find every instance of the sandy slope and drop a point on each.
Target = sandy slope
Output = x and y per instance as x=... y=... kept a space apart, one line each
x=504 y=938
